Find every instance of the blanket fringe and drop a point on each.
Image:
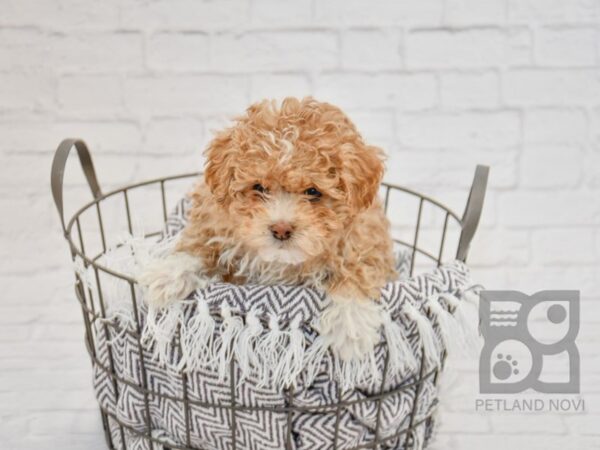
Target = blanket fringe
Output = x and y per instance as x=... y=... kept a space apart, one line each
x=314 y=358
x=161 y=326
x=429 y=342
x=292 y=357
x=401 y=356
x=466 y=323
x=273 y=355
x=351 y=373
x=276 y=356
x=449 y=329
x=246 y=346
x=231 y=327
x=197 y=339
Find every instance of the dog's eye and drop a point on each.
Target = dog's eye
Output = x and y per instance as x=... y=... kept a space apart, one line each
x=314 y=193
x=259 y=188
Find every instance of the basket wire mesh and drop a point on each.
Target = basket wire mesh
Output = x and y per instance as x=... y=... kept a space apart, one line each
x=93 y=305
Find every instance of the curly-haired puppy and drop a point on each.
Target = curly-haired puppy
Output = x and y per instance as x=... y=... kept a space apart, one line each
x=289 y=196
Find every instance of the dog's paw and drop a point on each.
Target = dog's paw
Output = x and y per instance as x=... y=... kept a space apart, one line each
x=352 y=327
x=171 y=279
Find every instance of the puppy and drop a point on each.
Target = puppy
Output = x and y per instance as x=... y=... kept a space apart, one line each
x=289 y=196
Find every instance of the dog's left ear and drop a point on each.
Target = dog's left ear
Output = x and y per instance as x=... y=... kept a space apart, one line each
x=362 y=173
x=218 y=169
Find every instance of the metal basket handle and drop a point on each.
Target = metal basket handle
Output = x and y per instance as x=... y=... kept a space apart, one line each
x=58 y=172
x=472 y=214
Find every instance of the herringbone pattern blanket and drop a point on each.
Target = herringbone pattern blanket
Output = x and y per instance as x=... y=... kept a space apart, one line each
x=176 y=367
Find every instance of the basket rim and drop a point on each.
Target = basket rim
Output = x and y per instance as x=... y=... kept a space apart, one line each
x=93 y=260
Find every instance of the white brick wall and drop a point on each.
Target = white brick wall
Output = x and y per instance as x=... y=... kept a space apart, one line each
x=440 y=84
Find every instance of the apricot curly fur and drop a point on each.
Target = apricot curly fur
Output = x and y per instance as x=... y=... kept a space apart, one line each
x=342 y=240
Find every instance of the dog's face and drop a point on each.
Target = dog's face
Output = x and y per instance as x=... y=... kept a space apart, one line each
x=292 y=178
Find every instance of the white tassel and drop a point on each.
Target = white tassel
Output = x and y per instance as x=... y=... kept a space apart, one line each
x=197 y=338
x=245 y=348
x=470 y=341
x=426 y=333
x=363 y=371
x=230 y=330
x=314 y=357
x=159 y=331
x=119 y=321
x=269 y=351
x=347 y=373
x=401 y=355
x=291 y=361
x=451 y=333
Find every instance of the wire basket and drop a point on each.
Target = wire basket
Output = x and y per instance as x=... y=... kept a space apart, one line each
x=434 y=232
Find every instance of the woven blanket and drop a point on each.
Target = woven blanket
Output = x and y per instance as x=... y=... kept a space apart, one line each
x=278 y=360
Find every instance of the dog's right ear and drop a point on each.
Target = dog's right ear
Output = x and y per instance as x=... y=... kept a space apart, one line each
x=362 y=172
x=218 y=168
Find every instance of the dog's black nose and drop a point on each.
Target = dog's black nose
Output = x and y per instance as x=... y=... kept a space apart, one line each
x=281 y=230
